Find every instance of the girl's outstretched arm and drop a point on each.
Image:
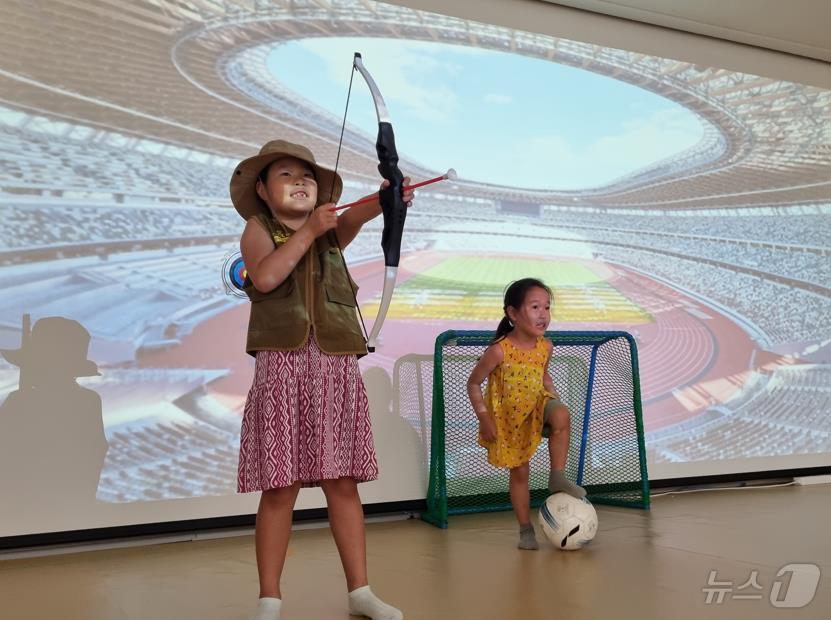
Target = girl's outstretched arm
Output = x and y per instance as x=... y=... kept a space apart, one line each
x=351 y=222
x=490 y=359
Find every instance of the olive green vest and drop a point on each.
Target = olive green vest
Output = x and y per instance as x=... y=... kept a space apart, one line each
x=316 y=295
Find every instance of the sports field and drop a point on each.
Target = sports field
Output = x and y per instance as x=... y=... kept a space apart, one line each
x=471 y=288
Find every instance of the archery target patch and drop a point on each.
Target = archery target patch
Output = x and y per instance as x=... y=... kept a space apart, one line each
x=234 y=274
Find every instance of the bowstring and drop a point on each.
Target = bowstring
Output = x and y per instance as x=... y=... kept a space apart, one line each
x=331 y=195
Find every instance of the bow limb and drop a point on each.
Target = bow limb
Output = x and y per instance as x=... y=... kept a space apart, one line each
x=390 y=198
x=390 y=276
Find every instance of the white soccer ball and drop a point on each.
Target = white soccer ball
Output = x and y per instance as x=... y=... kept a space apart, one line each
x=569 y=523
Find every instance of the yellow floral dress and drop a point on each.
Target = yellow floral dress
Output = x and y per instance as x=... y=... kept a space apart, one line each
x=516 y=398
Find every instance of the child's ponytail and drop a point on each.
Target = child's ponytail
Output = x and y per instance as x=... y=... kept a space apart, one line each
x=502 y=329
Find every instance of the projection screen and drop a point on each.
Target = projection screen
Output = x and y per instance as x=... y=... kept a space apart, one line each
x=687 y=204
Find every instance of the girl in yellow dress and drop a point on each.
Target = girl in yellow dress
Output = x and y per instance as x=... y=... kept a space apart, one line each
x=520 y=405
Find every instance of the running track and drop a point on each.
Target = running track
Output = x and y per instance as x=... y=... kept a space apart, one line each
x=688 y=345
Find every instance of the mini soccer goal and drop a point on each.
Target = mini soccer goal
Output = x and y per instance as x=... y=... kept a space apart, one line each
x=596 y=376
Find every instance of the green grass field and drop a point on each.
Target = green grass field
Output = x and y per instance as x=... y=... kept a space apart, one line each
x=468 y=287
x=496 y=273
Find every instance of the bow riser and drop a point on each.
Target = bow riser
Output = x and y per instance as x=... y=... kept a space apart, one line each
x=393 y=207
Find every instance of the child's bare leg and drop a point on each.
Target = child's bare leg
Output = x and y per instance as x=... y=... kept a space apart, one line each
x=520 y=496
x=271 y=541
x=521 y=501
x=346 y=518
x=557 y=416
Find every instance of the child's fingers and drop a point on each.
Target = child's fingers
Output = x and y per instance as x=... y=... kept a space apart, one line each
x=487 y=432
x=408 y=194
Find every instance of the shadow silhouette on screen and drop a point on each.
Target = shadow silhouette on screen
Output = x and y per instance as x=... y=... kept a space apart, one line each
x=52 y=441
x=397 y=444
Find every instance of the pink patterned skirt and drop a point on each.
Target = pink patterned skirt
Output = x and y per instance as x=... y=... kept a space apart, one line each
x=306 y=419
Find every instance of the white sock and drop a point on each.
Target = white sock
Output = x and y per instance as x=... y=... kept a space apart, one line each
x=268 y=609
x=362 y=602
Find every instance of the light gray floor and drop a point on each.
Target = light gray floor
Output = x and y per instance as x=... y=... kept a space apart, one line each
x=642 y=565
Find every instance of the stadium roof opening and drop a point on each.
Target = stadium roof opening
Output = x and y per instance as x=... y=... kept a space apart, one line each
x=500 y=118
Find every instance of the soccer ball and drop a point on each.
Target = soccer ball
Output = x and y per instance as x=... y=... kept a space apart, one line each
x=569 y=523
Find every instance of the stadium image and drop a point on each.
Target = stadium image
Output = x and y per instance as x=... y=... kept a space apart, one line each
x=655 y=427
x=116 y=214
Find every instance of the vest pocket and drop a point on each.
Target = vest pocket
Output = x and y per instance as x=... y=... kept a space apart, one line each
x=336 y=278
x=339 y=295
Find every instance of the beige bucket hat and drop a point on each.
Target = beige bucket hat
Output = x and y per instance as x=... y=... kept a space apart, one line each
x=244 y=180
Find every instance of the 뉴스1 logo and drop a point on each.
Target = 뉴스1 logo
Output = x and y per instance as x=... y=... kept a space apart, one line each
x=795 y=586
